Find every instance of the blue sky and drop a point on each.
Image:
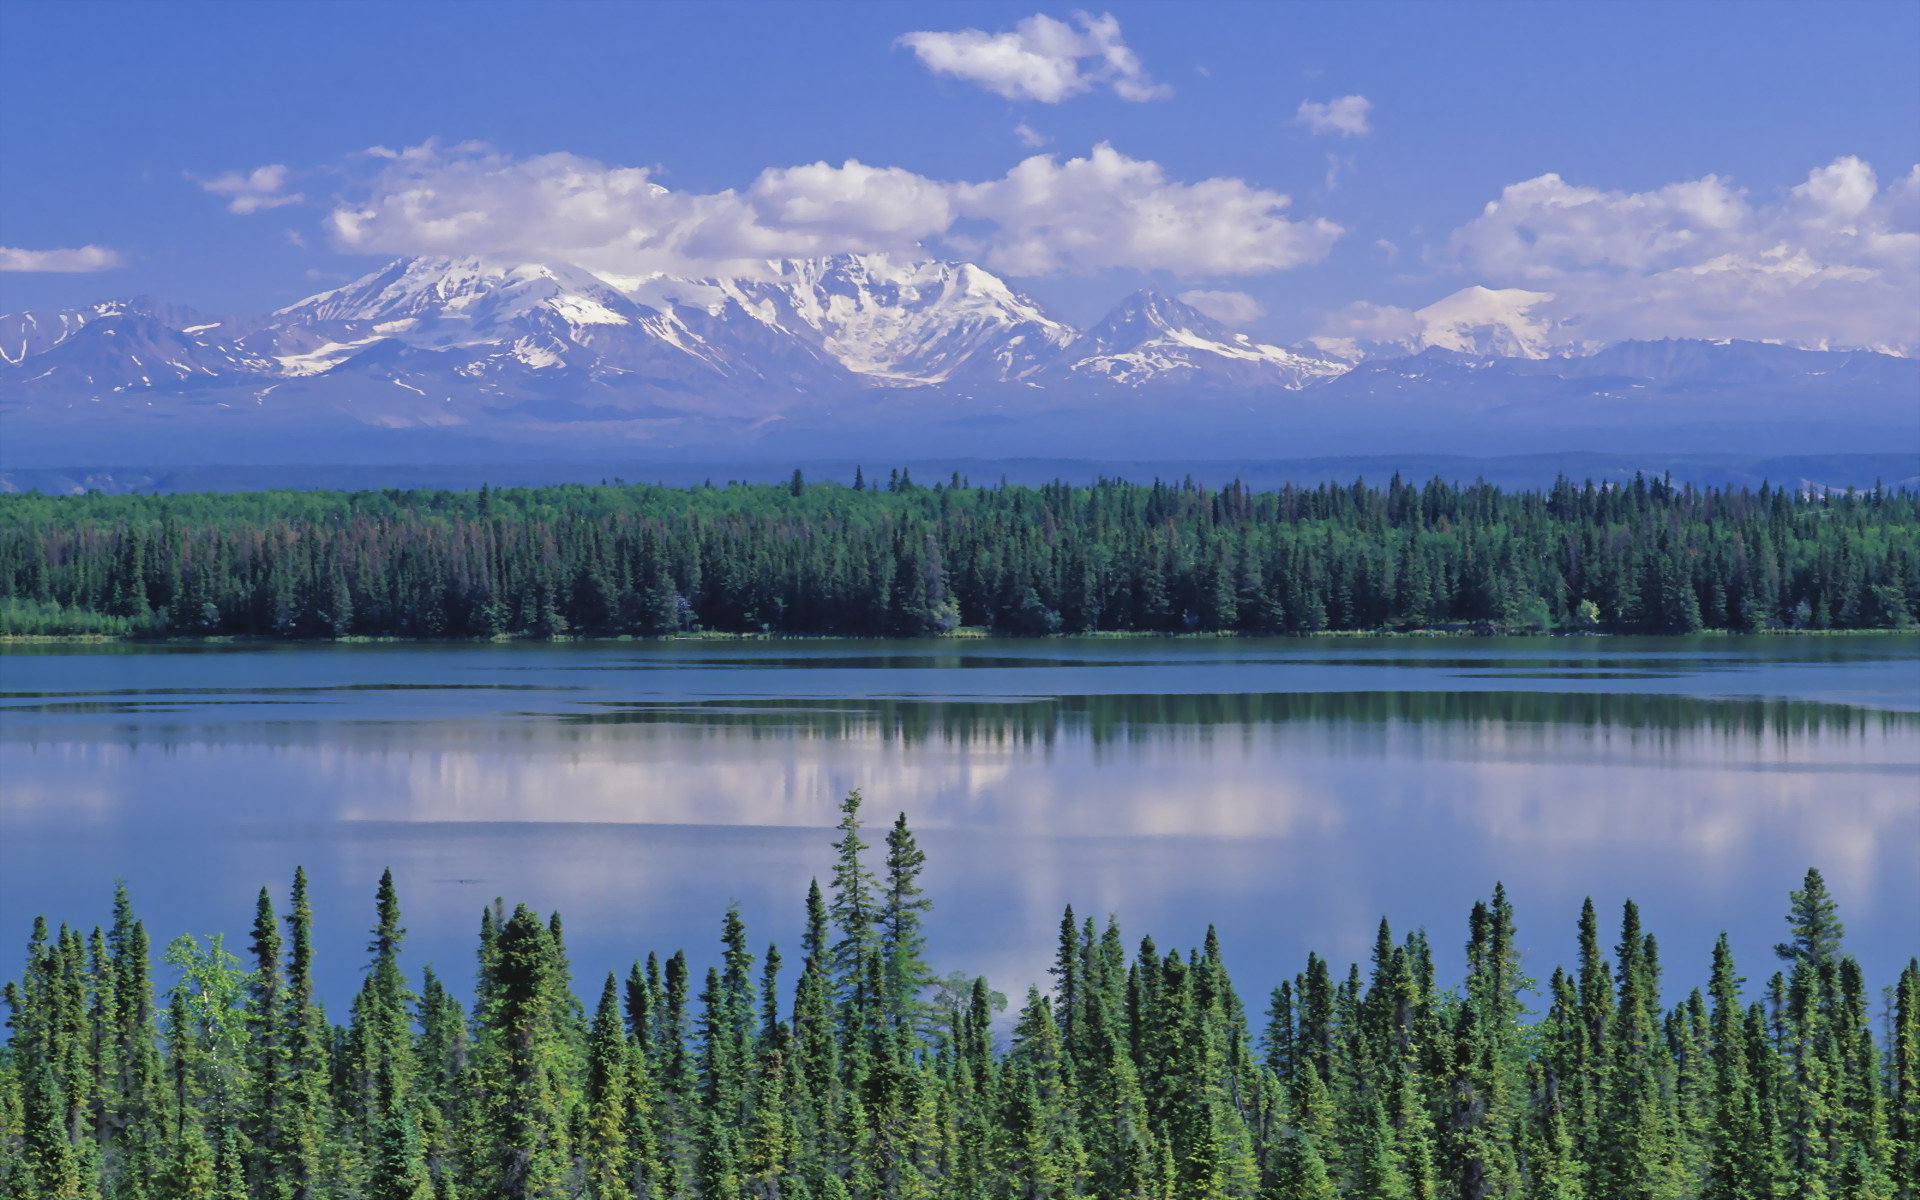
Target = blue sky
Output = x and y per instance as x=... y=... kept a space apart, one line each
x=1678 y=133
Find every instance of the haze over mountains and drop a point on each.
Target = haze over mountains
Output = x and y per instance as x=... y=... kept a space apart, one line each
x=457 y=359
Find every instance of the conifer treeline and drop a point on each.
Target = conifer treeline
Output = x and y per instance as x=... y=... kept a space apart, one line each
x=906 y=560
x=1135 y=1076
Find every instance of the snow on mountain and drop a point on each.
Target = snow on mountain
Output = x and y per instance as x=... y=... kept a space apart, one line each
x=1155 y=338
x=849 y=320
x=1478 y=322
x=535 y=311
x=28 y=333
x=819 y=326
x=900 y=323
x=456 y=297
x=1491 y=323
x=491 y=320
x=119 y=346
x=813 y=352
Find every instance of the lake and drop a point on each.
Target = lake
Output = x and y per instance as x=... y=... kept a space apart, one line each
x=1290 y=792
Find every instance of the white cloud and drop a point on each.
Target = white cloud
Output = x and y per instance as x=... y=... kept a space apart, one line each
x=1833 y=261
x=253 y=191
x=1029 y=137
x=852 y=202
x=1229 y=308
x=78 y=260
x=430 y=199
x=1040 y=59
x=1045 y=216
x=1344 y=331
x=1107 y=210
x=1345 y=116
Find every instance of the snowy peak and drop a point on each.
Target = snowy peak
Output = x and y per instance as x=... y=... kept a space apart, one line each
x=455 y=294
x=29 y=333
x=1491 y=323
x=1152 y=338
x=1147 y=316
x=896 y=322
x=536 y=315
x=1476 y=322
x=497 y=333
x=804 y=322
x=121 y=349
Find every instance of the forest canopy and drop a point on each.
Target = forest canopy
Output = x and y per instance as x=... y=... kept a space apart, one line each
x=906 y=560
x=1137 y=1074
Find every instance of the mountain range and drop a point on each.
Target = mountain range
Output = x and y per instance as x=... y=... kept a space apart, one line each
x=459 y=357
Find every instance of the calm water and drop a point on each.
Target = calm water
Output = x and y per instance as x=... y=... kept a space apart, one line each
x=1291 y=792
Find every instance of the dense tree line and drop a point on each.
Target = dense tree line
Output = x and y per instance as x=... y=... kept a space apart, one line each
x=907 y=560
x=1136 y=1074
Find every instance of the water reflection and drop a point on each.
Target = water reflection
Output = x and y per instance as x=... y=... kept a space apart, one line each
x=1161 y=786
x=1109 y=718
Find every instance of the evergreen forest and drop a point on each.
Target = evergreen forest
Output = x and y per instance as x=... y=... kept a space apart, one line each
x=1137 y=1073
x=905 y=560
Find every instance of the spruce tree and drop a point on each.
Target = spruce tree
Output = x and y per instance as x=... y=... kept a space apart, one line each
x=1430 y=1094
x=1739 y=1157
x=398 y=1168
x=1814 y=924
x=51 y=1168
x=606 y=1145
x=1297 y=1172
x=903 y=942
x=853 y=912
x=1903 y=1100
x=302 y=1127
x=266 y=1107
x=524 y=1137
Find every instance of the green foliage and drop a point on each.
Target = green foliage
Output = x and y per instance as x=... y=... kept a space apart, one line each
x=1132 y=1079
x=905 y=560
x=32 y=618
x=208 y=1027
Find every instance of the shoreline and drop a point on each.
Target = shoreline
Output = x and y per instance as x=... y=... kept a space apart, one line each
x=959 y=635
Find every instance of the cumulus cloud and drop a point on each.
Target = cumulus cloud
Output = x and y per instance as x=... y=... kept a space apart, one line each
x=1229 y=308
x=852 y=202
x=253 y=191
x=1108 y=210
x=1344 y=116
x=429 y=199
x=1834 y=261
x=1040 y=59
x=1029 y=137
x=78 y=260
x=1351 y=332
x=1045 y=216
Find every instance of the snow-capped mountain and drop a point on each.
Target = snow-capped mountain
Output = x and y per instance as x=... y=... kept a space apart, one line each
x=487 y=318
x=849 y=320
x=1155 y=338
x=1492 y=323
x=1476 y=321
x=451 y=300
x=804 y=327
x=815 y=352
x=29 y=333
x=892 y=323
x=119 y=346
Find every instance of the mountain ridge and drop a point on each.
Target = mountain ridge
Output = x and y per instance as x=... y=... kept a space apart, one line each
x=875 y=349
